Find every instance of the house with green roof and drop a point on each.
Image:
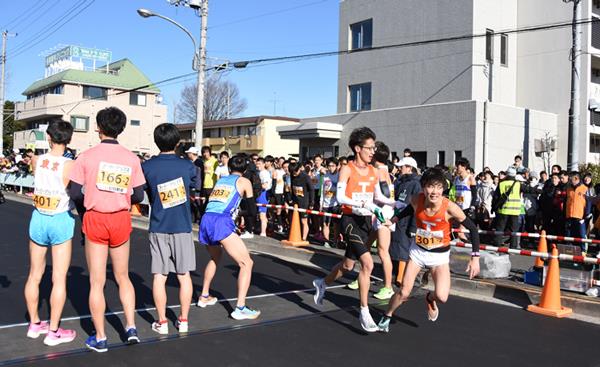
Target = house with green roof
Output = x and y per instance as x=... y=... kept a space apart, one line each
x=76 y=96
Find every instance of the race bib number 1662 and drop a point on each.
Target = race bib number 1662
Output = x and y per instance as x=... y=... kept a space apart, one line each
x=113 y=177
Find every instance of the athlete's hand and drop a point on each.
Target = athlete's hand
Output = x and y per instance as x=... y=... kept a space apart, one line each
x=375 y=210
x=473 y=267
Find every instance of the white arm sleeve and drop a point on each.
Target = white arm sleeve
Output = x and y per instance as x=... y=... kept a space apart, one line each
x=343 y=199
x=382 y=199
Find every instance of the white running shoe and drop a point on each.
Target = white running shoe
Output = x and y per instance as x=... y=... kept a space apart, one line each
x=247 y=235
x=161 y=327
x=320 y=289
x=367 y=323
x=204 y=301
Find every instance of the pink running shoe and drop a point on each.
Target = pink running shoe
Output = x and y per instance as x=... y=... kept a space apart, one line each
x=35 y=330
x=59 y=337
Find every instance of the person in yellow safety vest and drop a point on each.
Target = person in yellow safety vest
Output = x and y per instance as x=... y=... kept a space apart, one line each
x=507 y=204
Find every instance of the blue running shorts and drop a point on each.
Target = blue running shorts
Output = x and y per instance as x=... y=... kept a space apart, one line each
x=49 y=230
x=214 y=228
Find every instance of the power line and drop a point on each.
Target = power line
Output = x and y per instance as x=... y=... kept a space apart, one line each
x=19 y=16
x=42 y=14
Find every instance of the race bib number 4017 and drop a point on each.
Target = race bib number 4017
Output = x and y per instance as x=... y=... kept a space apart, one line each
x=113 y=177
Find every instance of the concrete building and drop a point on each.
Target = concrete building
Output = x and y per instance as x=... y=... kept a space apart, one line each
x=249 y=135
x=75 y=93
x=488 y=93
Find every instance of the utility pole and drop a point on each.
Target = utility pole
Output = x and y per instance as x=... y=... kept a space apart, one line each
x=5 y=35
x=574 y=109
x=202 y=65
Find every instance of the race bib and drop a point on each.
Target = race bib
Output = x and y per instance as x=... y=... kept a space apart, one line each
x=329 y=194
x=113 y=177
x=366 y=197
x=172 y=193
x=429 y=239
x=299 y=191
x=460 y=200
x=46 y=204
x=220 y=193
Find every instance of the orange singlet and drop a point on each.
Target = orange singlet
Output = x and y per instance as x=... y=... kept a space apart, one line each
x=360 y=188
x=433 y=232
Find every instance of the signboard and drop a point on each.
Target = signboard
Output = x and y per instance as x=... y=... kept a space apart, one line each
x=79 y=52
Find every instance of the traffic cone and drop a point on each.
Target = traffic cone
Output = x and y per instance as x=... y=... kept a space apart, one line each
x=550 y=300
x=295 y=238
x=136 y=210
x=542 y=247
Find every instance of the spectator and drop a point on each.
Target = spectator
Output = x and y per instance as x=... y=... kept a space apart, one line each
x=223 y=170
x=195 y=202
x=483 y=202
x=575 y=207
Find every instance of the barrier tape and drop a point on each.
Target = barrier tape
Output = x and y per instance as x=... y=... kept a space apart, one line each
x=532 y=235
x=308 y=211
x=543 y=255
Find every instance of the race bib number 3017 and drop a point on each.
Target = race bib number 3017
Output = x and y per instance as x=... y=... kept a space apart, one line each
x=113 y=177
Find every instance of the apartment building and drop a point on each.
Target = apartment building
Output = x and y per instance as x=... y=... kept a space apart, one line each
x=75 y=93
x=249 y=135
x=450 y=78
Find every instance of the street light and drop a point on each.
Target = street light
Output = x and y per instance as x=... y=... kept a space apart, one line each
x=198 y=64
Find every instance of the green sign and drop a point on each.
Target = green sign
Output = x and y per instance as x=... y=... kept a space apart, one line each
x=80 y=52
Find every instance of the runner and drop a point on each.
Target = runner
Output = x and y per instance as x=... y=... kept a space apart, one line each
x=356 y=189
x=51 y=226
x=112 y=179
x=433 y=213
x=169 y=181
x=217 y=229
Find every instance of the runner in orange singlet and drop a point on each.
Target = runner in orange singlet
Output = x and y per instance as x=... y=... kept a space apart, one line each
x=432 y=248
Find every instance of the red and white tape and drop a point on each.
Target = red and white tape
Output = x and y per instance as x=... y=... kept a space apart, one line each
x=533 y=235
x=307 y=211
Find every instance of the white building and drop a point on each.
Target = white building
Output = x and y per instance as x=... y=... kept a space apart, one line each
x=487 y=97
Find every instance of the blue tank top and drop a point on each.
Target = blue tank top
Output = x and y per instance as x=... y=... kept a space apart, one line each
x=224 y=199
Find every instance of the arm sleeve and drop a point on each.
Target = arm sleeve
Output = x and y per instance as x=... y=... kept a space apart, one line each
x=250 y=211
x=385 y=188
x=138 y=194
x=473 y=195
x=468 y=224
x=342 y=198
x=406 y=212
x=75 y=193
x=380 y=197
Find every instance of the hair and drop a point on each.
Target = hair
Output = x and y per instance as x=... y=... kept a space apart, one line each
x=224 y=154
x=318 y=155
x=382 y=152
x=166 y=137
x=563 y=173
x=331 y=160
x=206 y=148
x=543 y=173
x=407 y=150
x=575 y=174
x=111 y=121
x=294 y=167
x=518 y=157
x=434 y=176
x=60 y=132
x=555 y=175
x=587 y=174
x=359 y=136
x=557 y=166
x=238 y=163
x=260 y=159
x=462 y=161
x=269 y=159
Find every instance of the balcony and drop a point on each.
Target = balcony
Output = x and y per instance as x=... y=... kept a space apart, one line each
x=212 y=142
x=252 y=142
x=39 y=107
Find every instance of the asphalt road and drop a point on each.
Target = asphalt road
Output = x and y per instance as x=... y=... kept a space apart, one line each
x=292 y=331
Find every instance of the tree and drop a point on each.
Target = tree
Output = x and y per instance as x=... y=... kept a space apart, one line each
x=221 y=101
x=10 y=125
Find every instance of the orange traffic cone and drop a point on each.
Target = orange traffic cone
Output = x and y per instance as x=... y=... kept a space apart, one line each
x=136 y=210
x=550 y=300
x=295 y=238
x=542 y=247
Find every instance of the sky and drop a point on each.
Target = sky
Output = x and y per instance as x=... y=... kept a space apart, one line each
x=237 y=30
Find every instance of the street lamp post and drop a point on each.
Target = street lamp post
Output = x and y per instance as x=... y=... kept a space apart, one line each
x=198 y=64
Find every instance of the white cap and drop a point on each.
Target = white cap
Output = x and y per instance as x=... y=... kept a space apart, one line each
x=511 y=171
x=193 y=150
x=407 y=161
x=520 y=178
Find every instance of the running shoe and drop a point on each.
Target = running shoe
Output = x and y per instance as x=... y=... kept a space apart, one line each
x=34 y=330
x=182 y=325
x=59 y=336
x=247 y=235
x=132 y=336
x=353 y=285
x=432 y=310
x=245 y=313
x=384 y=293
x=367 y=323
x=384 y=324
x=320 y=289
x=161 y=327
x=95 y=345
x=326 y=244
x=204 y=301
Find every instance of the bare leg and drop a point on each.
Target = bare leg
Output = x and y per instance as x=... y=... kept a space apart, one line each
x=384 y=236
x=159 y=293
x=263 y=224
x=304 y=228
x=339 y=269
x=412 y=270
x=211 y=268
x=97 y=256
x=120 y=263
x=441 y=281
x=61 y=259
x=364 y=278
x=236 y=248
x=37 y=257
x=186 y=290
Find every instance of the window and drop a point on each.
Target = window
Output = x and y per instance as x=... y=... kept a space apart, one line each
x=135 y=123
x=137 y=99
x=57 y=89
x=94 y=93
x=595 y=118
x=361 y=35
x=441 y=157
x=457 y=154
x=594 y=143
x=489 y=45
x=237 y=131
x=360 y=97
x=80 y=123
x=251 y=130
x=504 y=49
